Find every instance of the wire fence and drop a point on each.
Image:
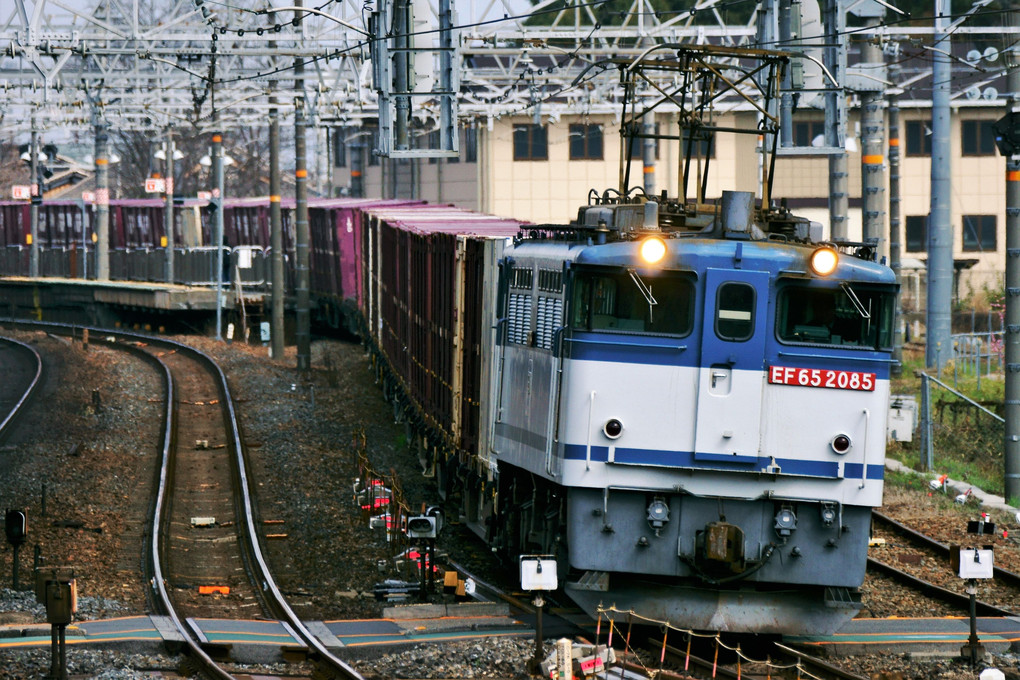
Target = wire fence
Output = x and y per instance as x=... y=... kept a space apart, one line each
x=955 y=422
x=979 y=351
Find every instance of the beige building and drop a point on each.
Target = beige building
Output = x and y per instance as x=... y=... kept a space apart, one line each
x=543 y=173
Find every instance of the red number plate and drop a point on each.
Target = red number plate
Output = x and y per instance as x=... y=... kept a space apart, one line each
x=822 y=377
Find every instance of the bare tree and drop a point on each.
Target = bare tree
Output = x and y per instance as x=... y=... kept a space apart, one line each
x=12 y=169
x=247 y=177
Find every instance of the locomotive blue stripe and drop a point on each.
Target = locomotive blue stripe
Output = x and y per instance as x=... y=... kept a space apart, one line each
x=853 y=471
x=658 y=351
x=631 y=349
x=688 y=459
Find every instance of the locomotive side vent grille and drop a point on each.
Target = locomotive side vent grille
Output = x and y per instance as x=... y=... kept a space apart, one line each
x=550 y=317
x=519 y=319
x=522 y=278
x=550 y=280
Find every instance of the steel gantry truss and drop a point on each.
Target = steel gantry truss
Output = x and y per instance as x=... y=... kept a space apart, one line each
x=153 y=64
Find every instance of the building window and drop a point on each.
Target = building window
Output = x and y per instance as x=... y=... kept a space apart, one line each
x=703 y=148
x=917 y=233
x=339 y=148
x=978 y=137
x=918 y=137
x=805 y=132
x=469 y=147
x=585 y=142
x=979 y=233
x=637 y=144
x=433 y=140
x=531 y=143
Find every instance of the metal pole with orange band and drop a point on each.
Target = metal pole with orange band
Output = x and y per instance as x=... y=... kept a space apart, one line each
x=217 y=159
x=168 y=221
x=102 y=204
x=872 y=136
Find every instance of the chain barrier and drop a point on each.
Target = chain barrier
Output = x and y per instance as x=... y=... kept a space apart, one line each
x=612 y=612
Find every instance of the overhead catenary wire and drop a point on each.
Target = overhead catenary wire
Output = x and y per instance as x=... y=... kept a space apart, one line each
x=528 y=81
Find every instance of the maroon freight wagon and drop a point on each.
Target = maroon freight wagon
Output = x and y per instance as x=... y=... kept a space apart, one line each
x=335 y=232
x=429 y=304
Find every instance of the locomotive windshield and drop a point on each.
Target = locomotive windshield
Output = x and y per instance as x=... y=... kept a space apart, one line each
x=853 y=316
x=616 y=302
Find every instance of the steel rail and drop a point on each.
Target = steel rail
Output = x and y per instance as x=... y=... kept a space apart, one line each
x=268 y=584
x=264 y=581
x=1005 y=575
x=160 y=519
x=9 y=419
x=163 y=602
x=814 y=665
x=935 y=591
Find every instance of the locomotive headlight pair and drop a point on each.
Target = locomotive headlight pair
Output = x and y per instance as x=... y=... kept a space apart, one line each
x=824 y=260
x=653 y=249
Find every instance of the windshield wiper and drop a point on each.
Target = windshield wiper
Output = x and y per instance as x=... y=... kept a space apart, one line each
x=865 y=313
x=646 y=291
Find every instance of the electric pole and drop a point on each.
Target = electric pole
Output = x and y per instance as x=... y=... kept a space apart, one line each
x=938 y=344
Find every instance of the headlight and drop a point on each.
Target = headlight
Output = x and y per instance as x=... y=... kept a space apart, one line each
x=653 y=249
x=824 y=260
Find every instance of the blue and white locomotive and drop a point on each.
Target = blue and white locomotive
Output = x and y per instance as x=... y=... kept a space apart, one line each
x=691 y=419
x=680 y=399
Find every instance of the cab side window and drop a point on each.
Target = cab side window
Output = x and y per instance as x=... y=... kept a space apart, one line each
x=734 y=311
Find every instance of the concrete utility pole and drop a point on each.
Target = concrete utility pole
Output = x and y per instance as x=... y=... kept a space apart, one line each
x=938 y=345
x=102 y=204
x=1012 y=324
x=303 y=333
x=357 y=163
x=276 y=324
x=275 y=231
x=217 y=161
x=872 y=140
x=895 y=233
x=36 y=191
x=834 y=56
x=168 y=221
x=648 y=152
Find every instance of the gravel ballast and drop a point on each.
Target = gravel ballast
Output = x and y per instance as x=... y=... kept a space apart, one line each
x=302 y=431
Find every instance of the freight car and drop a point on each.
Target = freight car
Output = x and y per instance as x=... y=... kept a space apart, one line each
x=137 y=237
x=138 y=246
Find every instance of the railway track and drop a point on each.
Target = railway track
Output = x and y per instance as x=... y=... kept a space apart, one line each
x=203 y=469
x=1000 y=593
x=186 y=403
x=21 y=367
x=782 y=661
